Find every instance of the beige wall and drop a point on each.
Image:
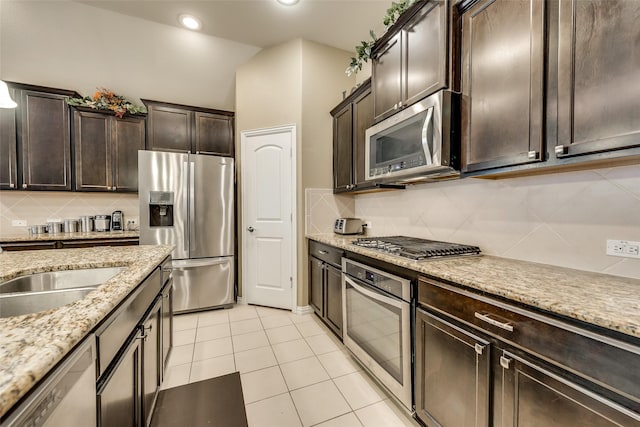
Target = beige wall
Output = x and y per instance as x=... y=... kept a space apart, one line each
x=297 y=83
x=74 y=46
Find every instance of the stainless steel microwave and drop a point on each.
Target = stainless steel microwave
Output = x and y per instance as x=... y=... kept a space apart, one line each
x=421 y=142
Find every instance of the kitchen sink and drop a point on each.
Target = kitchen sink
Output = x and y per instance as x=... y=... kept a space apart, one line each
x=43 y=291
x=33 y=302
x=58 y=280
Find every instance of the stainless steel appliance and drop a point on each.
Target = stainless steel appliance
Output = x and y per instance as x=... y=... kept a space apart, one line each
x=67 y=397
x=415 y=248
x=187 y=200
x=102 y=222
x=418 y=142
x=348 y=226
x=377 y=329
x=117 y=221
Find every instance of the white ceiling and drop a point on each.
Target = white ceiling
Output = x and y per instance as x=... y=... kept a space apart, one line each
x=338 y=23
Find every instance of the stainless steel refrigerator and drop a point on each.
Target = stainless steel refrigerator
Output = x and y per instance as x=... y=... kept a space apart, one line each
x=187 y=200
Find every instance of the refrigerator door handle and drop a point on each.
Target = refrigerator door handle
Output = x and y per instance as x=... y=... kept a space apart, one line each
x=185 y=241
x=195 y=263
x=192 y=208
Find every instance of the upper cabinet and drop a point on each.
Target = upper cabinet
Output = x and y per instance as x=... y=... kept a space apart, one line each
x=186 y=129
x=597 y=84
x=106 y=150
x=411 y=60
x=502 y=83
x=39 y=132
x=548 y=84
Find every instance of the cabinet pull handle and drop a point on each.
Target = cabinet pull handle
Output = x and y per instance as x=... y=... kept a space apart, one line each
x=24 y=185
x=505 y=362
x=11 y=185
x=560 y=150
x=532 y=155
x=323 y=252
x=485 y=317
x=479 y=348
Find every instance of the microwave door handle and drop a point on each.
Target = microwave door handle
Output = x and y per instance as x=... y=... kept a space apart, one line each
x=426 y=140
x=374 y=295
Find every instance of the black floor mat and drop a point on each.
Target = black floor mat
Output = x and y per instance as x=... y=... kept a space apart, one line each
x=214 y=402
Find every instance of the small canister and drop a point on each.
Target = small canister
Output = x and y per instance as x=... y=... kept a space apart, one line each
x=55 y=227
x=37 y=229
x=102 y=223
x=70 y=226
x=86 y=224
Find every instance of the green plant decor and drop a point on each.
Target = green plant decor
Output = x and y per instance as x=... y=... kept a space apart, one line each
x=363 y=51
x=106 y=100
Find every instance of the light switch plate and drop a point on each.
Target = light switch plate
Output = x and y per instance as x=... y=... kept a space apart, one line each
x=623 y=248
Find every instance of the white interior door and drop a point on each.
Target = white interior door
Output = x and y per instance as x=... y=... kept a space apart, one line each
x=268 y=198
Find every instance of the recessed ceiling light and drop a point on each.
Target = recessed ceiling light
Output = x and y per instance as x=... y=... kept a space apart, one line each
x=190 y=22
x=288 y=2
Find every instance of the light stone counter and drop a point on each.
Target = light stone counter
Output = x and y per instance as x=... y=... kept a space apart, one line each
x=32 y=344
x=611 y=302
x=46 y=237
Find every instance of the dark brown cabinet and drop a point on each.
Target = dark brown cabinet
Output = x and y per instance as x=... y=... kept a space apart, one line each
x=106 y=151
x=597 y=89
x=502 y=83
x=446 y=354
x=186 y=129
x=351 y=119
x=325 y=284
x=504 y=365
x=35 y=139
x=411 y=61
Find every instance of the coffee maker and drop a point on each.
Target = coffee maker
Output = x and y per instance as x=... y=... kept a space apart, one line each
x=117 y=221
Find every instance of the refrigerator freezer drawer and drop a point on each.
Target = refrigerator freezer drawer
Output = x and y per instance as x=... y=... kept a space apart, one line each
x=203 y=283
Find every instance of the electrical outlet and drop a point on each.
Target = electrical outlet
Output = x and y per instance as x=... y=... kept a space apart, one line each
x=18 y=223
x=623 y=248
x=132 y=223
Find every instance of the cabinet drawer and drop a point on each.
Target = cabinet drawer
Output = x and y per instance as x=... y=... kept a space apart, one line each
x=611 y=363
x=326 y=253
x=117 y=328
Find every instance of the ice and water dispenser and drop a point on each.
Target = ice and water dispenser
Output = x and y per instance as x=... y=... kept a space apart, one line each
x=161 y=208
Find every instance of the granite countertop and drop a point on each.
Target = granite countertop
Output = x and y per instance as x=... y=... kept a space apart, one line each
x=611 y=302
x=24 y=237
x=30 y=345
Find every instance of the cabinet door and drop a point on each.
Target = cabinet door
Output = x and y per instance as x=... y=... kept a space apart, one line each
x=362 y=120
x=386 y=78
x=316 y=279
x=333 y=298
x=45 y=143
x=119 y=396
x=8 y=158
x=127 y=137
x=502 y=83
x=598 y=65
x=426 y=52
x=452 y=374
x=342 y=149
x=213 y=134
x=169 y=129
x=535 y=396
x=151 y=353
x=92 y=150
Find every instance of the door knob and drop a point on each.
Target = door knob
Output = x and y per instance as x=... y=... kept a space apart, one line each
x=250 y=229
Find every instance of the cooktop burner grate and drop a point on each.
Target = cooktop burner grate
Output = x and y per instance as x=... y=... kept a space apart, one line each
x=417 y=249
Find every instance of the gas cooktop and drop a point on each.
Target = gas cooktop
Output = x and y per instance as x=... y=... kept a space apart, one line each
x=417 y=249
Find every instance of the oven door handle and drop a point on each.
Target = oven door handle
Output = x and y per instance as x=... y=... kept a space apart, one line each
x=374 y=295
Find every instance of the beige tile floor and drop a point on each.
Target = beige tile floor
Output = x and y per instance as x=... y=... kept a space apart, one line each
x=294 y=371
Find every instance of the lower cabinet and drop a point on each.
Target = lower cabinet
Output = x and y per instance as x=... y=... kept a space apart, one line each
x=325 y=284
x=130 y=374
x=452 y=371
x=481 y=362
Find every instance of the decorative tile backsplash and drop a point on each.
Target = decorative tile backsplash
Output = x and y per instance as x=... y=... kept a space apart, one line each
x=37 y=207
x=322 y=207
x=561 y=219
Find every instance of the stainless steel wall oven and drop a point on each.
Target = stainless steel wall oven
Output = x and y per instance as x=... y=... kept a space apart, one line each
x=377 y=325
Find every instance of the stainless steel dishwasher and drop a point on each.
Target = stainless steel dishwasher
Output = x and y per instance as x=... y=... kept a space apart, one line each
x=67 y=397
